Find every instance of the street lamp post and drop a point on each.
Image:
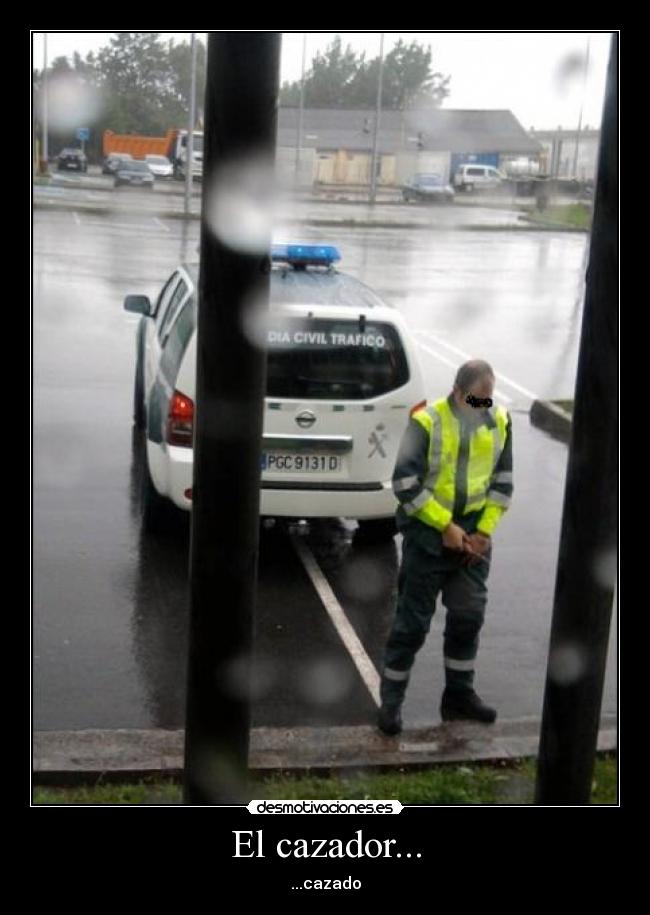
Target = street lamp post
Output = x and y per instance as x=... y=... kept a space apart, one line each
x=301 y=108
x=189 y=149
x=45 y=153
x=375 y=138
x=582 y=101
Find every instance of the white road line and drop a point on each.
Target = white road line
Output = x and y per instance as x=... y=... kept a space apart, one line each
x=135 y=226
x=460 y=352
x=455 y=365
x=337 y=615
x=162 y=225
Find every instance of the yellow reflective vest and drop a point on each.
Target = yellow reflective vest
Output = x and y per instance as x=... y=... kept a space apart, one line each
x=449 y=467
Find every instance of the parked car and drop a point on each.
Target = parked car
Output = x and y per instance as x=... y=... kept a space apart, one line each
x=134 y=173
x=477 y=177
x=428 y=188
x=159 y=165
x=72 y=159
x=113 y=160
x=342 y=378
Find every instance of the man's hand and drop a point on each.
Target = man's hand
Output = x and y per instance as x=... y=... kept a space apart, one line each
x=453 y=537
x=476 y=545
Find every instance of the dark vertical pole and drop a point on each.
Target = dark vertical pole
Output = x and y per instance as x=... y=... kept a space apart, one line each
x=375 y=134
x=44 y=169
x=586 y=571
x=240 y=122
x=301 y=110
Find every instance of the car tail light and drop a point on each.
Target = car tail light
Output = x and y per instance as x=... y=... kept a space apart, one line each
x=418 y=406
x=180 y=420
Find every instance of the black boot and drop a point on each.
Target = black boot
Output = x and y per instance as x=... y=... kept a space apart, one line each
x=389 y=719
x=465 y=705
x=391 y=693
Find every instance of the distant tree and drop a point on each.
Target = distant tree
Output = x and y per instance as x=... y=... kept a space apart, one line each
x=408 y=80
x=344 y=79
x=134 y=76
x=146 y=82
x=60 y=65
x=329 y=79
x=180 y=64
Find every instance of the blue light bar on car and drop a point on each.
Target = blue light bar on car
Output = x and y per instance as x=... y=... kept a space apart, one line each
x=305 y=255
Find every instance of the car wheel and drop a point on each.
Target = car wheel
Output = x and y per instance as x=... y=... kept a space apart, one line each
x=377 y=530
x=155 y=510
x=139 y=412
x=469 y=188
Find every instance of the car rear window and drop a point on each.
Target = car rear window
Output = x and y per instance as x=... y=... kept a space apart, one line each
x=318 y=287
x=168 y=317
x=177 y=341
x=332 y=359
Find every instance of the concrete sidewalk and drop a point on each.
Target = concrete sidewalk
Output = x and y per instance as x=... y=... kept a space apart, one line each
x=69 y=757
x=315 y=213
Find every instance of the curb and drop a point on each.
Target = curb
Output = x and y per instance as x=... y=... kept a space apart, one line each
x=55 y=204
x=100 y=210
x=551 y=418
x=394 y=224
x=81 y=757
x=543 y=226
x=73 y=185
x=390 y=224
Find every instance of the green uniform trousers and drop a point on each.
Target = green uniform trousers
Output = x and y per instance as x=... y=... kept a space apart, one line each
x=427 y=570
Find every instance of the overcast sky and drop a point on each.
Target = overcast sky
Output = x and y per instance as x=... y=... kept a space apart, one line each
x=537 y=75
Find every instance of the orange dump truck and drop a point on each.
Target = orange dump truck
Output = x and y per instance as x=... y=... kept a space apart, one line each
x=139 y=147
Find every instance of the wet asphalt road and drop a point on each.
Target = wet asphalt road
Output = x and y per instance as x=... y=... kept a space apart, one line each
x=110 y=604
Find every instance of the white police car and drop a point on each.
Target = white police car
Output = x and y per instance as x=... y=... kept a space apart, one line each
x=342 y=378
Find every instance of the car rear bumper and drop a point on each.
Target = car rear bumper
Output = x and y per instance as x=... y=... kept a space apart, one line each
x=351 y=503
x=171 y=471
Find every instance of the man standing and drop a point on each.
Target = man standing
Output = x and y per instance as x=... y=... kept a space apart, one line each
x=453 y=479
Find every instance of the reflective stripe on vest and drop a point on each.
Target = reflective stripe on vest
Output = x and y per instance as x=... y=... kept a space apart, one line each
x=404 y=483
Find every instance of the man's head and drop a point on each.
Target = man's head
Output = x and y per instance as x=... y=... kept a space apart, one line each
x=474 y=387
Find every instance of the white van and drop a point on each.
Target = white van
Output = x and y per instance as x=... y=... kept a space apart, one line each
x=342 y=379
x=477 y=177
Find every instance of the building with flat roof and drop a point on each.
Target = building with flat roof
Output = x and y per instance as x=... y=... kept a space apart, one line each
x=336 y=144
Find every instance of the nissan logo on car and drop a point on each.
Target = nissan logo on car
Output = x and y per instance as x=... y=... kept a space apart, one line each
x=306 y=419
